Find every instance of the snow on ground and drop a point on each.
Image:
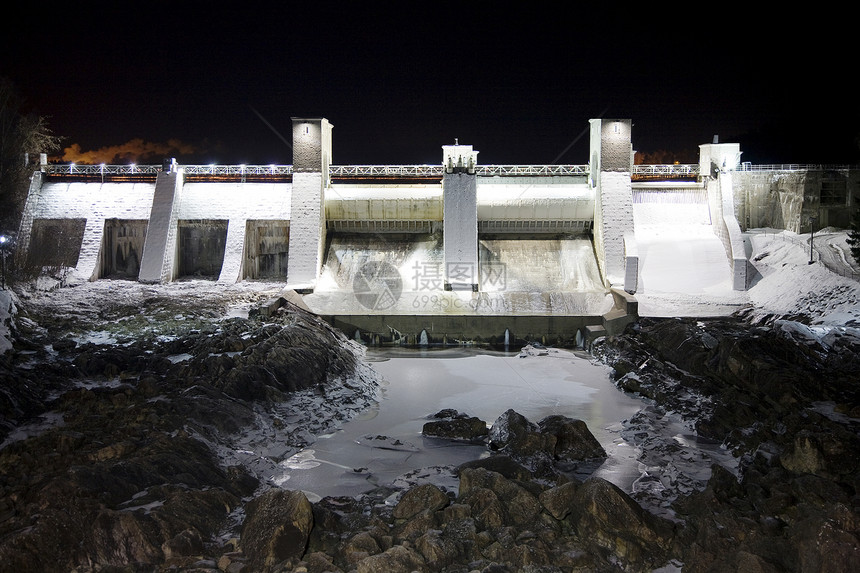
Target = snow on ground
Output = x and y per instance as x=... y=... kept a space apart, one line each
x=782 y=283
x=785 y=283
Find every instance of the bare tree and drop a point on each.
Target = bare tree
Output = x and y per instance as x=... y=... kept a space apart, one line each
x=22 y=133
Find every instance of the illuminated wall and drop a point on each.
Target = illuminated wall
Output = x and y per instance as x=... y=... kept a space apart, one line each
x=311 y=160
x=611 y=166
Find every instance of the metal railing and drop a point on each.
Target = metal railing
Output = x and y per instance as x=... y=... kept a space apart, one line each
x=233 y=171
x=72 y=169
x=794 y=167
x=686 y=170
x=343 y=171
x=531 y=170
x=370 y=171
x=337 y=171
x=413 y=171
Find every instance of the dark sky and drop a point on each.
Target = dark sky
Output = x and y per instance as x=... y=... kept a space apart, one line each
x=519 y=81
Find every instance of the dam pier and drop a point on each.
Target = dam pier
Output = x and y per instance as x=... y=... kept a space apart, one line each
x=455 y=253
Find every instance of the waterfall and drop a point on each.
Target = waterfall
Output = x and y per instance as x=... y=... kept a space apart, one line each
x=531 y=264
x=683 y=205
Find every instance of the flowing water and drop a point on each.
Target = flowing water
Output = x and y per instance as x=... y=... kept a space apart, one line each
x=403 y=274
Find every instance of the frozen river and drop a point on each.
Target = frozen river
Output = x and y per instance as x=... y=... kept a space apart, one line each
x=384 y=444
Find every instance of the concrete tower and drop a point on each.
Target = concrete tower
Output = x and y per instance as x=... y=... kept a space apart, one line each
x=611 y=168
x=460 y=212
x=311 y=161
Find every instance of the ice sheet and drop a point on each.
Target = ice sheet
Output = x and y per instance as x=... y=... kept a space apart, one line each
x=386 y=443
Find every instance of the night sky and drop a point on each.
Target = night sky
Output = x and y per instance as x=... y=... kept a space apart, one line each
x=519 y=82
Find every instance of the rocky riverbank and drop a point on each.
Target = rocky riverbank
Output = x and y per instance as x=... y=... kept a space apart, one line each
x=784 y=400
x=143 y=451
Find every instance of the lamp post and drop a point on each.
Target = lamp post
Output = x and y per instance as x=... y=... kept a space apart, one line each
x=812 y=221
x=4 y=241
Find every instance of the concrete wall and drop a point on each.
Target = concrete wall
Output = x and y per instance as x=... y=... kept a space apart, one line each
x=157 y=264
x=727 y=229
x=100 y=203
x=58 y=243
x=789 y=199
x=535 y=205
x=92 y=202
x=465 y=205
x=504 y=205
x=397 y=329
x=382 y=208
x=460 y=236
x=267 y=247
x=238 y=203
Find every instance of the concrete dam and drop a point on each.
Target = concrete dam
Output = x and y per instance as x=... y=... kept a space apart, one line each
x=455 y=253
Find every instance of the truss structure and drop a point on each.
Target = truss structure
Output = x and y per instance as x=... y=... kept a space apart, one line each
x=243 y=172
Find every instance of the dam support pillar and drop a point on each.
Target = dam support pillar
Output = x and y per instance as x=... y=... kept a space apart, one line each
x=611 y=168
x=717 y=163
x=157 y=263
x=25 y=228
x=311 y=161
x=460 y=217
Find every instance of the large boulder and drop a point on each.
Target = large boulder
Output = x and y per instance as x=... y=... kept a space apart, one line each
x=501 y=464
x=558 y=501
x=514 y=434
x=832 y=454
x=277 y=528
x=549 y=449
x=518 y=505
x=573 y=440
x=613 y=522
x=453 y=425
x=398 y=559
x=425 y=497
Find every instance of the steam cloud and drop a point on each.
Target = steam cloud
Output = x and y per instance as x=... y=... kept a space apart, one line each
x=135 y=151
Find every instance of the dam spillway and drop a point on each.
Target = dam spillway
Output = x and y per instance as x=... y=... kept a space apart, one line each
x=679 y=252
x=521 y=265
x=392 y=286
